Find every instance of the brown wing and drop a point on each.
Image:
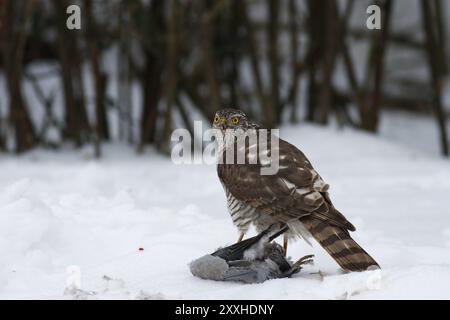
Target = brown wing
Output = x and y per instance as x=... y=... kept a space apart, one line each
x=296 y=191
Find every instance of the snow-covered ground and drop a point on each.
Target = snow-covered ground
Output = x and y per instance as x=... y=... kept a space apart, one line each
x=64 y=209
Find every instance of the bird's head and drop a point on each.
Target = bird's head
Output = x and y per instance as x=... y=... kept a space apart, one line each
x=230 y=119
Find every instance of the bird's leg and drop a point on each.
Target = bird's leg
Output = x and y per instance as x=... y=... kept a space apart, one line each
x=241 y=236
x=285 y=243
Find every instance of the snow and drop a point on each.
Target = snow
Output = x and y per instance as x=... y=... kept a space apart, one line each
x=60 y=211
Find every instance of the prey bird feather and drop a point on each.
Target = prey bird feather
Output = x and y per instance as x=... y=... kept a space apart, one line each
x=253 y=260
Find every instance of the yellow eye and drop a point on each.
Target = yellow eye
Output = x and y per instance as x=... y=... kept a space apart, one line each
x=234 y=120
x=216 y=119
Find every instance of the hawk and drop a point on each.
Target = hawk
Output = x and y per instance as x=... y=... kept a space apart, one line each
x=295 y=196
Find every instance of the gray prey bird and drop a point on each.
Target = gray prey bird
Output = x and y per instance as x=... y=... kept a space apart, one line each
x=253 y=260
x=295 y=196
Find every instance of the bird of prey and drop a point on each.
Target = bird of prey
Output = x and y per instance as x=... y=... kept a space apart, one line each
x=295 y=195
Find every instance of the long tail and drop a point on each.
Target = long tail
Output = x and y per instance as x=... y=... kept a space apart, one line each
x=338 y=243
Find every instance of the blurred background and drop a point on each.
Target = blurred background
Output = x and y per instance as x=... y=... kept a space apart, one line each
x=137 y=69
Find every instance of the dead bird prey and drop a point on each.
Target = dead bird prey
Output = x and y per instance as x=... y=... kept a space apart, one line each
x=253 y=260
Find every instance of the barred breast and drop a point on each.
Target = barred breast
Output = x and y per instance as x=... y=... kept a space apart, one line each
x=241 y=213
x=244 y=215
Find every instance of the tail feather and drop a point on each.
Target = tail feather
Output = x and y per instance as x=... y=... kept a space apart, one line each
x=338 y=243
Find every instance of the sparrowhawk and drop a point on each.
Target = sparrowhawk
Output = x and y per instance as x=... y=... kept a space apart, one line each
x=295 y=195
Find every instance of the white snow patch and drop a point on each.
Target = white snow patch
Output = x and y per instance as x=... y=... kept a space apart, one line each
x=65 y=209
